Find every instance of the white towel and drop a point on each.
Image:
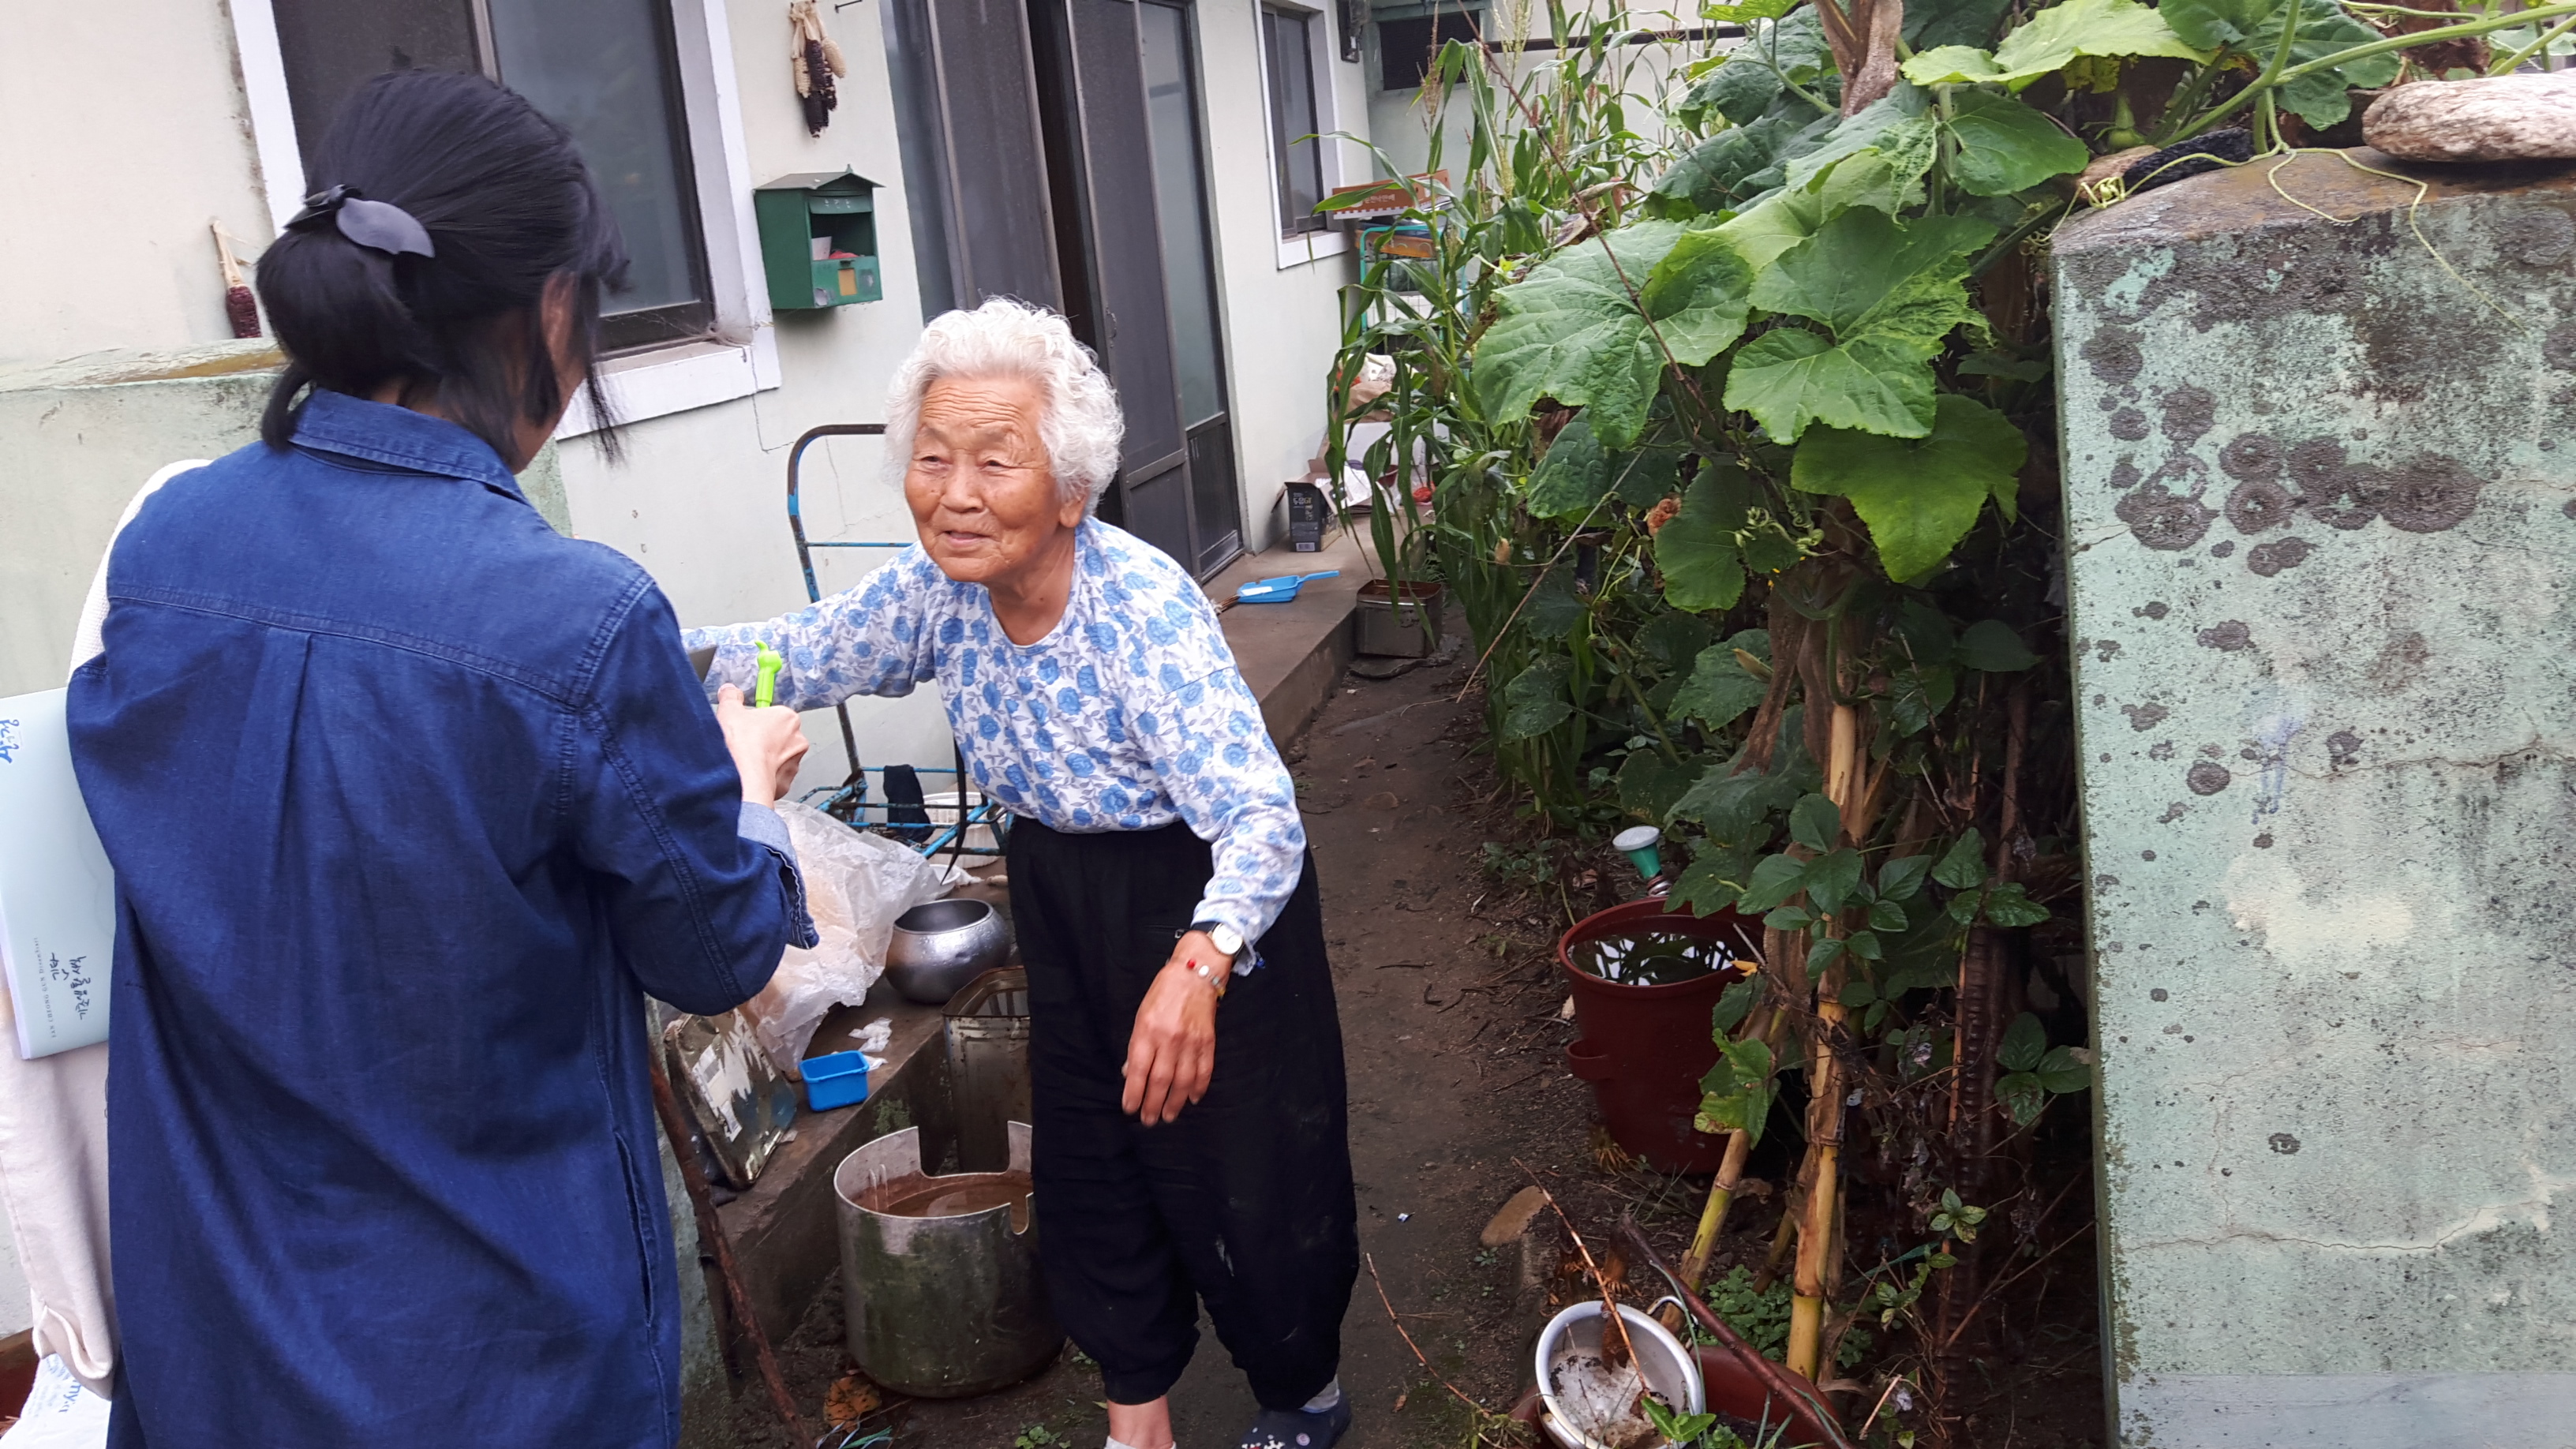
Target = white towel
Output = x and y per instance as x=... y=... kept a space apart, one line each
x=53 y=1135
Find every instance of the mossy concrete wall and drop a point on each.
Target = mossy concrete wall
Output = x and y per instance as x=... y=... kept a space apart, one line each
x=2321 y=493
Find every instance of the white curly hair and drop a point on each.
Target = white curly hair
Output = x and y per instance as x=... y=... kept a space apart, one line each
x=1080 y=426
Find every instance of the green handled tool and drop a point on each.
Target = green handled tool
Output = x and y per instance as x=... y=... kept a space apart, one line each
x=765 y=693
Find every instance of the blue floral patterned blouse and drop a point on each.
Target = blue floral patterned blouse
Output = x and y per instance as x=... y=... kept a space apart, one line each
x=1128 y=715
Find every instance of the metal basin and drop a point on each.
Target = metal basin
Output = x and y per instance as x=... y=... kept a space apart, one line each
x=937 y=948
x=1668 y=1369
x=940 y=1307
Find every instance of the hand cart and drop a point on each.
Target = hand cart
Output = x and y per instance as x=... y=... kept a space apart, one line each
x=851 y=801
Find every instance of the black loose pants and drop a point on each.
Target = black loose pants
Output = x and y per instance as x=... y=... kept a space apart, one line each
x=1245 y=1202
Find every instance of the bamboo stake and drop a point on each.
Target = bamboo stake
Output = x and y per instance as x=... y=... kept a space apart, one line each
x=1824 y=1144
x=1782 y=1240
x=1765 y=1023
x=1825 y=1106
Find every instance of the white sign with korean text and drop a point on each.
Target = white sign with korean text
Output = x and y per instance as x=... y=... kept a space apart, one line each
x=57 y=895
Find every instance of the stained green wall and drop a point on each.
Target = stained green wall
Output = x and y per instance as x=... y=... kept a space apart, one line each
x=78 y=438
x=2321 y=488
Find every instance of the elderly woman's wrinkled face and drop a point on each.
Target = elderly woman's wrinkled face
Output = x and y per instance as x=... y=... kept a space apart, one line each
x=979 y=486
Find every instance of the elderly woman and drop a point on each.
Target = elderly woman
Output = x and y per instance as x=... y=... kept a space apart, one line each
x=1187 y=1063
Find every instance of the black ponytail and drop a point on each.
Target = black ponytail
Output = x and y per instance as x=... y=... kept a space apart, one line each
x=507 y=205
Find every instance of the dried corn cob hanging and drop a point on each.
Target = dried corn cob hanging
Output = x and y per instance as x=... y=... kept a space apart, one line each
x=240 y=308
x=815 y=60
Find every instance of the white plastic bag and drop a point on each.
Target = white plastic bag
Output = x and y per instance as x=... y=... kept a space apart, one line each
x=855 y=886
x=60 y=1414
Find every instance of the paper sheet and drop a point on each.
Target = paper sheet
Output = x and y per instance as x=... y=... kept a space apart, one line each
x=57 y=895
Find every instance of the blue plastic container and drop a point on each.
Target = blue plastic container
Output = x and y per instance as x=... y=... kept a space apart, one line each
x=836 y=1080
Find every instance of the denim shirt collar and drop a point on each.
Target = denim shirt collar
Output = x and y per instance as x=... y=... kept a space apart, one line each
x=335 y=422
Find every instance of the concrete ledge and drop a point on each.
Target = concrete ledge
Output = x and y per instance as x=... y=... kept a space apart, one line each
x=1292 y=654
x=785 y=1229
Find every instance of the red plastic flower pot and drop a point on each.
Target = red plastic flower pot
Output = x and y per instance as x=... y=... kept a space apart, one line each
x=1645 y=1048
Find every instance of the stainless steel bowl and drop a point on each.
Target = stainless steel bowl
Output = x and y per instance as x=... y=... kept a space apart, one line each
x=939 y=947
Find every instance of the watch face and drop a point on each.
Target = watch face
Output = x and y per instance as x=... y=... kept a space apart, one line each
x=1228 y=939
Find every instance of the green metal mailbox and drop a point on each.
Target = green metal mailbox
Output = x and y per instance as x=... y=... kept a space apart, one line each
x=818 y=240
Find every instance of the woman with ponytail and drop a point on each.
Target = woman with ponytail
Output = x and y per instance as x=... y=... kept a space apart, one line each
x=411 y=801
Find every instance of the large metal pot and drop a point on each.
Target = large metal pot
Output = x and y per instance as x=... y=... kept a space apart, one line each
x=939 y=947
x=940 y=1307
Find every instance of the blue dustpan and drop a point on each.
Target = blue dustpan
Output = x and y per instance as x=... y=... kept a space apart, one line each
x=1278 y=590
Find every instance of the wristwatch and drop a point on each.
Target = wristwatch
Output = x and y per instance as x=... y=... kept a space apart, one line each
x=1227 y=938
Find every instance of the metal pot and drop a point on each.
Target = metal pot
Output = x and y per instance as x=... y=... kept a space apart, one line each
x=939 y=947
x=940 y=1307
x=1668 y=1368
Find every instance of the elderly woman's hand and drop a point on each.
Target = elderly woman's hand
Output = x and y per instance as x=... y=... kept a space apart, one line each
x=768 y=745
x=1172 y=1052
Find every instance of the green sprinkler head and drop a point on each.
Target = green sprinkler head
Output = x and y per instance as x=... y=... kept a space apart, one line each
x=1638 y=842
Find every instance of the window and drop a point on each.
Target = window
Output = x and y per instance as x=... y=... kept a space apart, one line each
x=1290 y=42
x=1407 y=45
x=605 y=69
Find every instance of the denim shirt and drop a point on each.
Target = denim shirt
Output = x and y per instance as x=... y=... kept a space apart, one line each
x=410 y=800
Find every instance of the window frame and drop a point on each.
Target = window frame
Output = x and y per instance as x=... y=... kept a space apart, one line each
x=1283 y=149
x=734 y=354
x=1298 y=245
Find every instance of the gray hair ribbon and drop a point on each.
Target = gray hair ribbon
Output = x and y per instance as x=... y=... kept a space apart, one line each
x=379 y=225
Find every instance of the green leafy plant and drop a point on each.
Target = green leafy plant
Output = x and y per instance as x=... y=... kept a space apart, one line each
x=1761 y=1317
x=1037 y=1436
x=2035 y=1072
x=1731 y=435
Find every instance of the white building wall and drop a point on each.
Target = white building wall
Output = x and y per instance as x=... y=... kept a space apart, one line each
x=701 y=499
x=127 y=135
x=114 y=189
x=1401 y=124
x=1279 y=301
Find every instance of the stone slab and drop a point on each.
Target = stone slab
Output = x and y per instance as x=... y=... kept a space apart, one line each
x=2496 y=118
x=2355 y=1411
x=2320 y=449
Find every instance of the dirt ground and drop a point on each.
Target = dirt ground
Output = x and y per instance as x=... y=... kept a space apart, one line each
x=1459 y=1097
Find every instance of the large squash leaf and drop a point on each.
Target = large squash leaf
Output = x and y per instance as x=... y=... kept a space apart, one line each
x=2005 y=146
x=1696 y=549
x=1890 y=291
x=1790 y=377
x=1719 y=172
x=1698 y=297
x=1919 y=496
x=1740 y=90
x=2254 y=27
x=1879 y=155
x=1578 y=328
x=1573 y=475
x=2052 y=38
x=1933 y=23
x=1720 y=689
x=1535 y=701
x=1776 y=223
x=1867 y=271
